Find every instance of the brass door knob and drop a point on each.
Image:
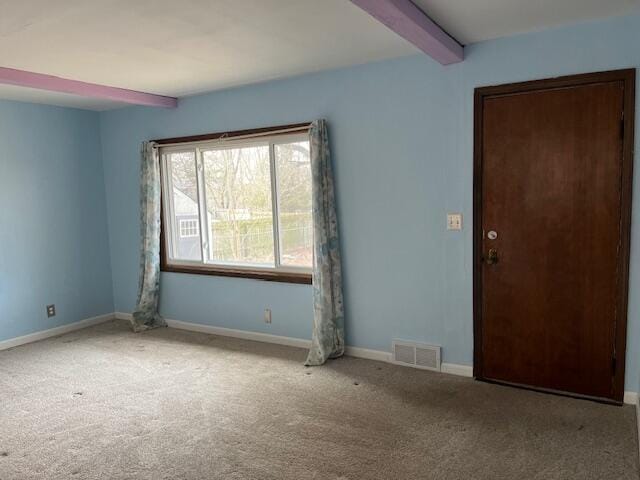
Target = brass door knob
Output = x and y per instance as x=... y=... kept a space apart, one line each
x=492 y=257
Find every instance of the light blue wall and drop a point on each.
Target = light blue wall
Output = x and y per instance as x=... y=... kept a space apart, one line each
x=53 y=234
x=402 y=135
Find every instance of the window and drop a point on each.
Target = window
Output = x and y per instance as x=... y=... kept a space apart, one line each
x=239 y=207
x=189 y=228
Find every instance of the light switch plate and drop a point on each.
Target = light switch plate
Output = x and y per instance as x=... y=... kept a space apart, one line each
x=454 y=221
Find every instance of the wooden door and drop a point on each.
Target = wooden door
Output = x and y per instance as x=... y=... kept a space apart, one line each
x=552 y=221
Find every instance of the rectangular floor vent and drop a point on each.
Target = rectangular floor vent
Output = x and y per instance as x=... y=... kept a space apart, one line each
x=417 y=355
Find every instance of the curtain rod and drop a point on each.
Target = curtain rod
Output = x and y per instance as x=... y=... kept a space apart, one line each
x=234 y=135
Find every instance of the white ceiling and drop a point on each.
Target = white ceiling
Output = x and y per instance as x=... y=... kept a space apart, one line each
x=183 y=47
x=470 y=21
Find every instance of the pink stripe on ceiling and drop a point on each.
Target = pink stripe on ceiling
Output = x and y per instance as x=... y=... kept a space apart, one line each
x=40 y=81
x=412 y=24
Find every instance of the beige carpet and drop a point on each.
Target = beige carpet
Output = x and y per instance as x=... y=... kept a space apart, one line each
x=104 y=403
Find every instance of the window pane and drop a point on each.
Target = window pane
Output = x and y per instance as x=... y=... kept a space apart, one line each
x=293 y=168
x=186 y=222
x=189 y=228
x=239 y=211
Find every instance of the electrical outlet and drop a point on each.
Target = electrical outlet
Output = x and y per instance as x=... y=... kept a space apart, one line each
x=51 y=310
x=267 y=315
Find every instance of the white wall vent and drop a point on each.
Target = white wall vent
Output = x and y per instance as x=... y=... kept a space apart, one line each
x=417 y=355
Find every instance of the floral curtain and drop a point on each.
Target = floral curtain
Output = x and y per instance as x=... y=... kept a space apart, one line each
x=328 y=309
x=145 y=315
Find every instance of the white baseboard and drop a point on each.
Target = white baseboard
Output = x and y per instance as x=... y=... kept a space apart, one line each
x=630 y=398
x=54 y=332
x=638 y=422
x=243 y=334
x=268 y=338
x=367 y=353
x=455 y=369
x=357 y=352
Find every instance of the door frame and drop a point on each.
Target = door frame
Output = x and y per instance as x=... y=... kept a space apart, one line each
x=626 y=76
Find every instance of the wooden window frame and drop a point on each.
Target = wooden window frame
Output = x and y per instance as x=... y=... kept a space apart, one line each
x=238 y=271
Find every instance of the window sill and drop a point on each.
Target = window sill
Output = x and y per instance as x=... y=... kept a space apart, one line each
x=257 y=274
